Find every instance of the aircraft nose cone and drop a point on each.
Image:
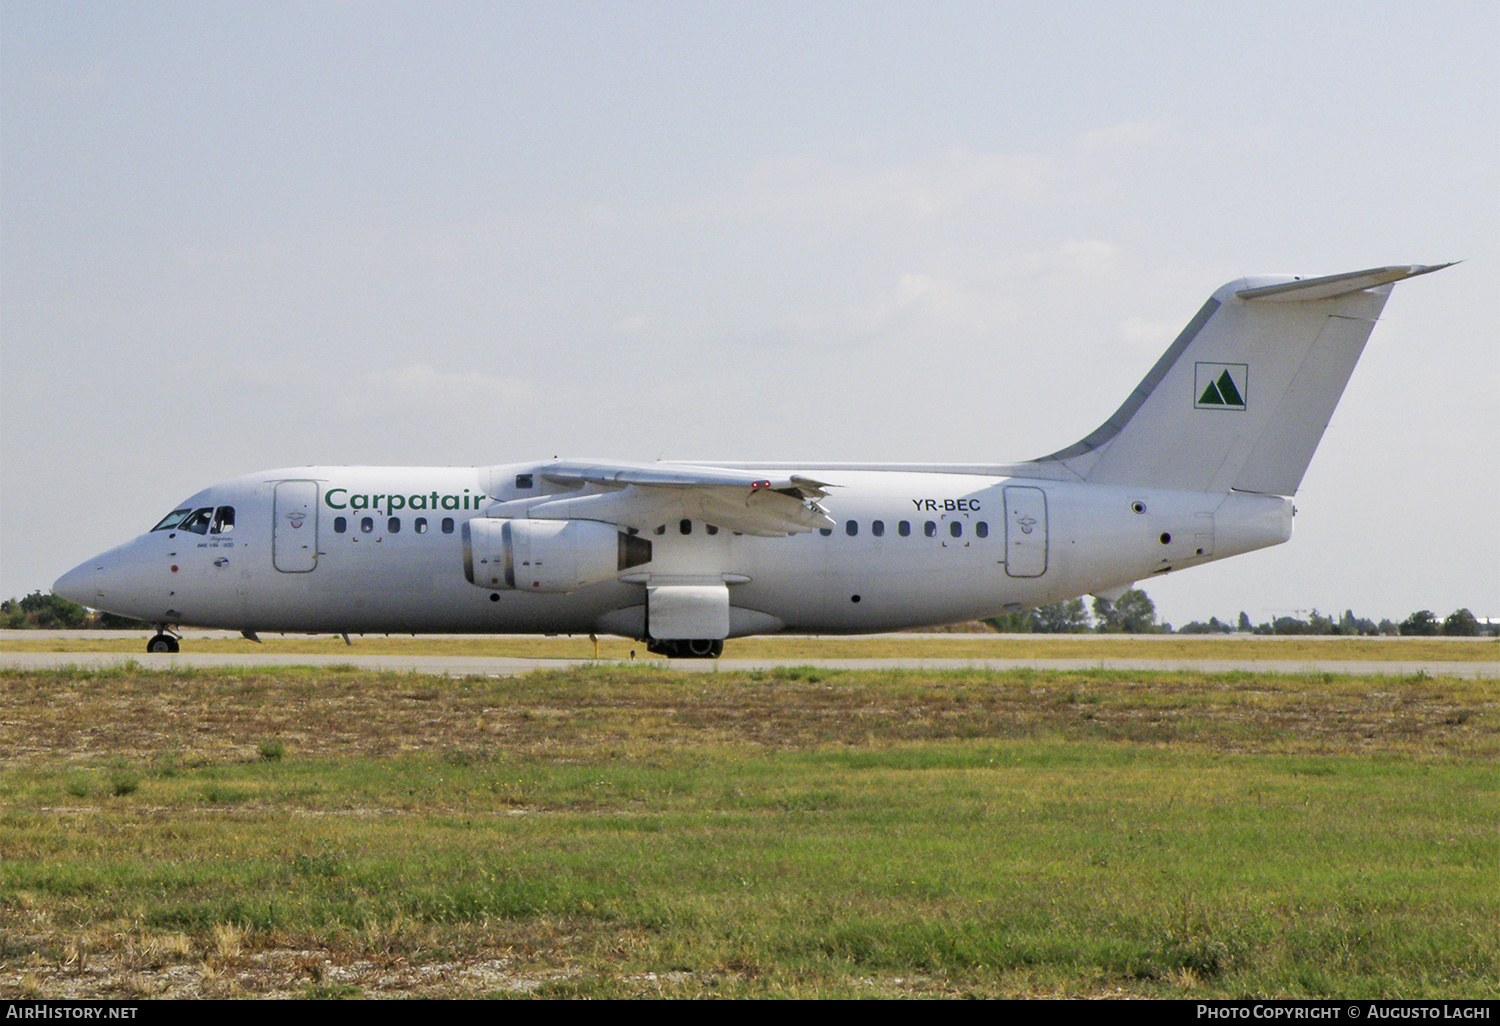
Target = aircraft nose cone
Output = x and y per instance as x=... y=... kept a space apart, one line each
x=84 y=583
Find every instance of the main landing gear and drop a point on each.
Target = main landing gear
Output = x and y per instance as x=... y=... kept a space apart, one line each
x=690 y=648
x=162 y=642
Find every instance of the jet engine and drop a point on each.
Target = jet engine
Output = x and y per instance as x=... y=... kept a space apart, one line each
x=547 y=555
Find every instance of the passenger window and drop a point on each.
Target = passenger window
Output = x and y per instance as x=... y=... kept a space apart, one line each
x=171 y=520
x=393 y=525
x=956 y=528
x=686 y=527
x=420 y=525
x=447 y=525
x=340 y=525
x=851 y=528
x=197 y=521
x=982 y=529
x=223 y=520
x=929 y=529
x=661 y=529
x=904 y=528
x=877 y=528
x=710 y=528
x=825 y=531
x=367 y=524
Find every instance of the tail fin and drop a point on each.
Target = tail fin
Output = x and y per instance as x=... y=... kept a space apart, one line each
x=1240 y=400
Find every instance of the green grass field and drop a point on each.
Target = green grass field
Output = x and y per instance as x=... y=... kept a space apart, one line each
x=632 y=831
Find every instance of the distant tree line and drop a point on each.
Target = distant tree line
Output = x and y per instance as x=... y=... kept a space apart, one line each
x=1134 y=613
x=53 y=613
x=1131 y=613
x=1460 y=623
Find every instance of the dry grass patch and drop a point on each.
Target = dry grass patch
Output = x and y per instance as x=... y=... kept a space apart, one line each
x=121 y=732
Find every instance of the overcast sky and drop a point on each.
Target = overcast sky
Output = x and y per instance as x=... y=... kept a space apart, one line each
x=246 y=236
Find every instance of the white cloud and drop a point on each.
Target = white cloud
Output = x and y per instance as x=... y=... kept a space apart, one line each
x=632 y=326
x=929 y=306
x=1140 y=333
x=1086 y=256
x=934 y=188
x=419 y=383
x=1130 y=135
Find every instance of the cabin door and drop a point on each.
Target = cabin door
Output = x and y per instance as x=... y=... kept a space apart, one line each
x=1025 y=531
x=294 y=527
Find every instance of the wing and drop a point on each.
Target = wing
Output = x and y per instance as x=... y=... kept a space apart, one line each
x=646 y=495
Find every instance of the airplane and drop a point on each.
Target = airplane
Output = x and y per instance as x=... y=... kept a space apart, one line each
x=1199 y=463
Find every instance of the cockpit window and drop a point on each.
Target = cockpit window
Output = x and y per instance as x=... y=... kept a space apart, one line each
x=197 y=521
x=171 y=520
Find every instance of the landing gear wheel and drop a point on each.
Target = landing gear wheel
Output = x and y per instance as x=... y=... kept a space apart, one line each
x=703 y=648
x=162 y=643
x=688 y=648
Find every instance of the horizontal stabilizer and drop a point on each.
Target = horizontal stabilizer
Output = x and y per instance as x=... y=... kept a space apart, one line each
x=1304 y=289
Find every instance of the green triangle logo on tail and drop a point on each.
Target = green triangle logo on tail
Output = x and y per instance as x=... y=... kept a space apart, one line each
x=1221 y=386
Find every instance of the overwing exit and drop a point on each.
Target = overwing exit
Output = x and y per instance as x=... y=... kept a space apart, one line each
x=1199 y=463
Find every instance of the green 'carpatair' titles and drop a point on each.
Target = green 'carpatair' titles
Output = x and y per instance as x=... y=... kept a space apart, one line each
x=342 y=498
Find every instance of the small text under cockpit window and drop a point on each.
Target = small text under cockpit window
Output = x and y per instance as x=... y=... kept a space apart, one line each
x=171 y=520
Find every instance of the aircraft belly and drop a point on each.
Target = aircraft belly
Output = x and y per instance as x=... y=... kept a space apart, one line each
x=874 y=599
x=416 y=599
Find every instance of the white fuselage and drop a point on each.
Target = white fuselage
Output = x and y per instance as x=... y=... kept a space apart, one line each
x=382 y=549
